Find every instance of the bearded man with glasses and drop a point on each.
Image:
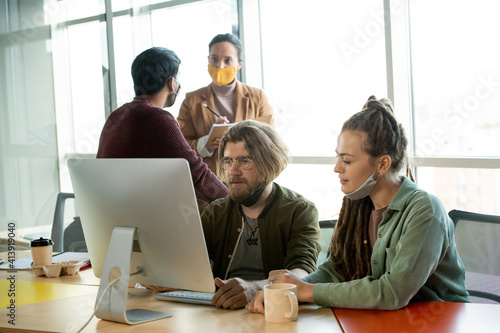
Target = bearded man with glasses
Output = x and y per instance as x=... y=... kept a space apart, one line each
x=260 y=226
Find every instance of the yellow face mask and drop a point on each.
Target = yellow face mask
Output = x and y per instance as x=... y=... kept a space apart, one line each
x=222 y=76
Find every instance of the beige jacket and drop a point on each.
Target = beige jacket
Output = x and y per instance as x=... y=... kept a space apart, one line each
x=195 y=120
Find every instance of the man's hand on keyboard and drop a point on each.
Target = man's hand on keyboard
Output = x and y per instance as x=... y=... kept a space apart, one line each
x=235 y=293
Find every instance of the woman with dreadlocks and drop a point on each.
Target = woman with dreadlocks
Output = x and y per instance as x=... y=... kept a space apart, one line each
x=393 y=243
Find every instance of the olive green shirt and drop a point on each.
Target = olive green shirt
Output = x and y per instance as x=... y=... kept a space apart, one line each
x=413 y=259
x=288 y=227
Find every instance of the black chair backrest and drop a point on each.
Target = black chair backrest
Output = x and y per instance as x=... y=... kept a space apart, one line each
x=69 y=239
x=327 y=227
x=477 y=237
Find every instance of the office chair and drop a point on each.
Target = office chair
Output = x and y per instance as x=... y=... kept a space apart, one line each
x=70 y=238
x=477 y=237
x=327 y=227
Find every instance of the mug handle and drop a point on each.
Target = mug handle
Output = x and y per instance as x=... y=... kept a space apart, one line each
x=294 y=305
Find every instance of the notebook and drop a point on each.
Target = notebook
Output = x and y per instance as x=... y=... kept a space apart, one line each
x=218 y=130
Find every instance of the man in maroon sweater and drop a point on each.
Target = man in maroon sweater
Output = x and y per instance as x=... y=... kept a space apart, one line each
x=142 y=129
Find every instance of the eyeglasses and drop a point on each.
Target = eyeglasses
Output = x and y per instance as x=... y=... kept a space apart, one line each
x=242 y=161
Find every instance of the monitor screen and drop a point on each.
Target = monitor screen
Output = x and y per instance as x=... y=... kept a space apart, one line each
x=156 y=198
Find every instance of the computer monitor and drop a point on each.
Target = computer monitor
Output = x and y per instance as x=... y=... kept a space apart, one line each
x=140 y=215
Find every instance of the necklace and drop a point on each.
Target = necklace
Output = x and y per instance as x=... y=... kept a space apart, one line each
x=252 y=240
x=141 y=99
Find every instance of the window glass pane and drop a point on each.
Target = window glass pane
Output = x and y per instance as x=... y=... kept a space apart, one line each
x=320 y=64
x=77 y=9
x=173 y=28
x=321 y=61
x=118 y=5
x=87 y=75
x=318 y=183
x=134 y=34
x=475 y=190
x=124 y=38
x=28 y=149
x=81 y=74
x=159 y=1
x=456 y=76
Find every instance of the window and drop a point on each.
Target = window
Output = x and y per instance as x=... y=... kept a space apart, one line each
x=134 y=30
x=189 y=38
x=317 y=61
x=168 y=27
x=28 y=147
x=81 y=74
x=456 y=76
x=321 y=61
x=456 y=91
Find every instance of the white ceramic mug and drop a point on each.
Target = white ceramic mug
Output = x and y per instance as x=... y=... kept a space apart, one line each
x=280 y=302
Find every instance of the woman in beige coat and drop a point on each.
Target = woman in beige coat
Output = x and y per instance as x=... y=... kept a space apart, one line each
x=230 y=99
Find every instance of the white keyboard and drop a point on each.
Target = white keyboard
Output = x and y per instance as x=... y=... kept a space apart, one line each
x=195 y=297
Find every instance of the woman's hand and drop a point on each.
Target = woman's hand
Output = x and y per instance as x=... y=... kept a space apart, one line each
x=304 y=289
x=256 y=305
x=222 y=120
x=214 y=144
x=284 y=276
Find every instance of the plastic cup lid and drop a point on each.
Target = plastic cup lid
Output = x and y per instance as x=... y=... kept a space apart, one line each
x=41 y=242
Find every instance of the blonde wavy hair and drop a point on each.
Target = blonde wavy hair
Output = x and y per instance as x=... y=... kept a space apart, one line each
x=268 y=151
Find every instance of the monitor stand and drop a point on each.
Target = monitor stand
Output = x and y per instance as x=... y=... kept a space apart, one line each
x=113 y=305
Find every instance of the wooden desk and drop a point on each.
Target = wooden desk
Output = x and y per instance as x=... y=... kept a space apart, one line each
x=442 y=317
x=85 y=277
x=69 y=314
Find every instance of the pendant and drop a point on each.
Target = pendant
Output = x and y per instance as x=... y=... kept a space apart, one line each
x=252 y=240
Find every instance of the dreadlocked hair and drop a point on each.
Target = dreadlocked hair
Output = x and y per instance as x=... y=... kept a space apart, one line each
x=350 y=250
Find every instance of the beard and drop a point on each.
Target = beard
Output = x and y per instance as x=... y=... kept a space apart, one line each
x=242 y=192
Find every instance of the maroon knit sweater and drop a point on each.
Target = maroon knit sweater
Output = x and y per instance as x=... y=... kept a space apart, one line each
x=141 y=130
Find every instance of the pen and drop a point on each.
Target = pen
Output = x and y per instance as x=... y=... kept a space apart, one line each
x=1 y=261
x=209 y=109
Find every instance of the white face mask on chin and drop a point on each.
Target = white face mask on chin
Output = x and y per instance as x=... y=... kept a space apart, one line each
x=365 y=189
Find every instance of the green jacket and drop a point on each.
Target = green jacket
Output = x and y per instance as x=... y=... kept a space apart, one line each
x=414 y=259
x=289 y=232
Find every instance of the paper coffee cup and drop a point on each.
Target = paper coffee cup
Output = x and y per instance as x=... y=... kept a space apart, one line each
x=41 y=251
